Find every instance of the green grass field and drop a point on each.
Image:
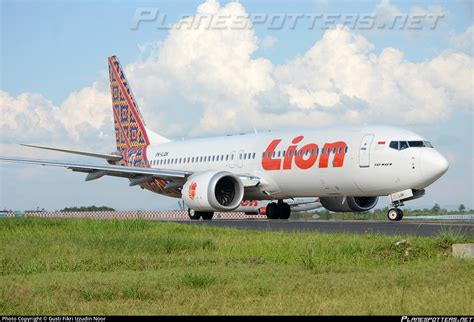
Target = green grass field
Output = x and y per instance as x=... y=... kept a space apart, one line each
x=92 y=267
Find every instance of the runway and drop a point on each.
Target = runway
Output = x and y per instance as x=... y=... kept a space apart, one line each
x=351 y=227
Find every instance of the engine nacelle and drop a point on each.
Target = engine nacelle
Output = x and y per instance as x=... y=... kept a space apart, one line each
x=213 y=191
x=356 y=204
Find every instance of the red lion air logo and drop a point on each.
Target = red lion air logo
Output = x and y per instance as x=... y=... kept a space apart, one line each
x=192 y=190
x=301 y=156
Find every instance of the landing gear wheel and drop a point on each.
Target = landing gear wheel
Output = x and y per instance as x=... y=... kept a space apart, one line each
x=395 y=214
x=207 y=215
x=285 y=211
x=194 y=215
x=272 y=211
x=400 y=214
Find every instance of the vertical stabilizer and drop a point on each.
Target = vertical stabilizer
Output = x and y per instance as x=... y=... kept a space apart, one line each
x=130 y=131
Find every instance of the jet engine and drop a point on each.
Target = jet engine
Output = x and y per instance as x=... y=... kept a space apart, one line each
x=213 y=191
x=349 y=204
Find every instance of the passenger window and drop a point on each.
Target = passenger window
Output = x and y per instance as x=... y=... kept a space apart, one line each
x=227 y=157
x=346 y=149
x=403 y=145
x=253 y=155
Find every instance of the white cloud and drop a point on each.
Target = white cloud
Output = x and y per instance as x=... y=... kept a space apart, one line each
x=343 y=67
x=204 y=80
x=386 y=12
x=85 y=118
x=29 y=115
x=392 y=18
x=269 y=41
x=465 y=41
x=211 y=67
x=88 y=106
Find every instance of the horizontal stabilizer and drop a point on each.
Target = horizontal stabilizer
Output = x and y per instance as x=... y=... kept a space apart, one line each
x=108 y=157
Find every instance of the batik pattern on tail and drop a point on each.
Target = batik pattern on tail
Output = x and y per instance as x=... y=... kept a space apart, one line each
x=129 y=125
x=130 y=134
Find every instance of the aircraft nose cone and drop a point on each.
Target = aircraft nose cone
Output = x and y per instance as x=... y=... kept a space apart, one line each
x=433 y=164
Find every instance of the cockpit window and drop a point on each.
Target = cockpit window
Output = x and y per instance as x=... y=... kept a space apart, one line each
x=427 y=144
x=401 y=145
x=416 y=144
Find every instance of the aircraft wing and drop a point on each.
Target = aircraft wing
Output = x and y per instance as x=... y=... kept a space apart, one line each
x=97 y=171
x=137 y=175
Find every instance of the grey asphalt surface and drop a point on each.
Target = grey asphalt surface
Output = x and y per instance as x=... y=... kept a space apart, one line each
x=416 y=228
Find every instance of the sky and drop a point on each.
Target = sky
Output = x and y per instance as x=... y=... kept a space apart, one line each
x=204 y=68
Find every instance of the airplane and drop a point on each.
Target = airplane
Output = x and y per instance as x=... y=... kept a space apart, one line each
x=347 y=167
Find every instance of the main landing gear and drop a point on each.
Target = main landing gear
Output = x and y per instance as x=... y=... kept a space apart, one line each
x=280 y=210
x=195 y=215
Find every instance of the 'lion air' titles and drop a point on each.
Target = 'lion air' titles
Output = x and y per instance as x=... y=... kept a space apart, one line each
x=304 y=157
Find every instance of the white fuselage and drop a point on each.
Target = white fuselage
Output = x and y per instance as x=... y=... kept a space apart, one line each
x=361 y=163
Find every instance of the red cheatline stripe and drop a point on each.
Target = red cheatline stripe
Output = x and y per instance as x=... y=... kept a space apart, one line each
x=130 y=104
x=381 y=142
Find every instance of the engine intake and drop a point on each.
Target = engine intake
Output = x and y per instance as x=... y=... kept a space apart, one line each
x=356 y=204
x=212 y=190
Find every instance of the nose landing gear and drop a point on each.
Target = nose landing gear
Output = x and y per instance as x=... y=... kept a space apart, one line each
x=397 y=198
x=395 y=214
